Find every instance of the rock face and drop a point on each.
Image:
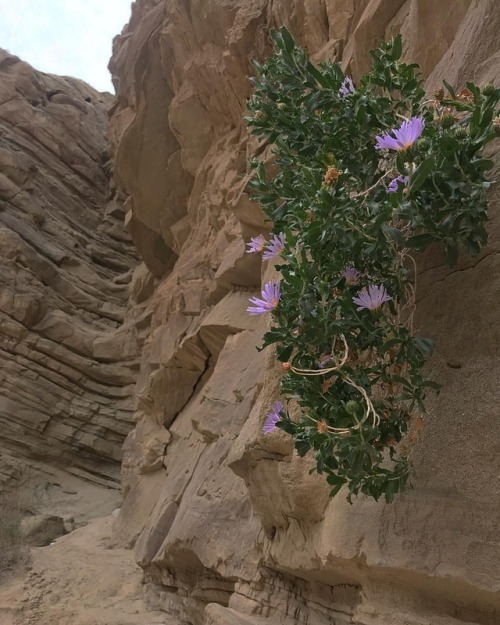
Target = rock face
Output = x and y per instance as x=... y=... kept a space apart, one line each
x=228 y=525
x=69 y=356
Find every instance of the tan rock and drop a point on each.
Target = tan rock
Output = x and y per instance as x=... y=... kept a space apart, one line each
x=66 y=355
x=215 y=614
x=41 y=530
x=232 y=527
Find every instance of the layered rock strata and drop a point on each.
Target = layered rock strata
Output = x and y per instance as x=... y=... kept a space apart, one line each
x=227 y=523
x=68 y=351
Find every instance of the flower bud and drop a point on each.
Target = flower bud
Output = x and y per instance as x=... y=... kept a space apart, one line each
x=447 y=120
x=352 y=406
x=424 y=143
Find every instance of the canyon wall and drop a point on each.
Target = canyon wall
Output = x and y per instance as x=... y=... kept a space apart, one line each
x=228 y=524
x=69 y=348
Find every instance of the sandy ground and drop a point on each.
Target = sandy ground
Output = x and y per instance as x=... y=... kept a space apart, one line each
x=78 y=580
x=48 y=490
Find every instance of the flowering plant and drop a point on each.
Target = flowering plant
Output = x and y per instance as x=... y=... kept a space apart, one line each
x=368 y=174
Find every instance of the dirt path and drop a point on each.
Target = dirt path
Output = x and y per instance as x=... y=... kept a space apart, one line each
x=79 y=580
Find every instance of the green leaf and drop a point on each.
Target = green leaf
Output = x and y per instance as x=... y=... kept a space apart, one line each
x=273 y=336
x=287 y=426
x=333 y=479
x=420 y=241
x=288 y=41
x=484 y=164
x=358 y=463
x=397 y=47
x=317 y=75
x=289 y=238
x=394 y=234
x=474 y=89
x=419 y=176
x=302 y=446
x=335 y=490
x=283 y=353
x=450 y=89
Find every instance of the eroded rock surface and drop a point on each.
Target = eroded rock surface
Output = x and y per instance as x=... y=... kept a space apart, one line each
x=68 y=350
x=227 y=523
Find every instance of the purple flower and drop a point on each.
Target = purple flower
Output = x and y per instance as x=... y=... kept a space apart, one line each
x=347 y=87
x=404 y=136
x=394 y=184
x=256 y=244
x=269 y=301
x=351 y=275
x=371 y=298
x=274 y=247
x=273 y=417
x=324 y=360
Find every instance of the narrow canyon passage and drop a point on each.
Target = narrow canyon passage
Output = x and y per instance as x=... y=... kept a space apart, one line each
x=132 y=395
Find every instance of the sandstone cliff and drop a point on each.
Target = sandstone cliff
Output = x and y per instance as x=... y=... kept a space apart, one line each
x=69 y=356
x=228 y=524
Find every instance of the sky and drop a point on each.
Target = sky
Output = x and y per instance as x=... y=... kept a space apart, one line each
x=66 y=37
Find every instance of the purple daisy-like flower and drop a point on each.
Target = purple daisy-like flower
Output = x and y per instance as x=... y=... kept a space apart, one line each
x=351 y=275
x=347 y=86
x=274 y=247
x=404 y=136
x=270 y=300
x=372 y=297
x=394 y=184
x=256 y=244
x=272 y=417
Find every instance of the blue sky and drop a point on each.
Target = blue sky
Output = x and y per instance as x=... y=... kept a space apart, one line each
x=67 y=37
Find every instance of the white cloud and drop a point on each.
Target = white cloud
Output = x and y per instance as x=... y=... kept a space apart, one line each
x=67 y=37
